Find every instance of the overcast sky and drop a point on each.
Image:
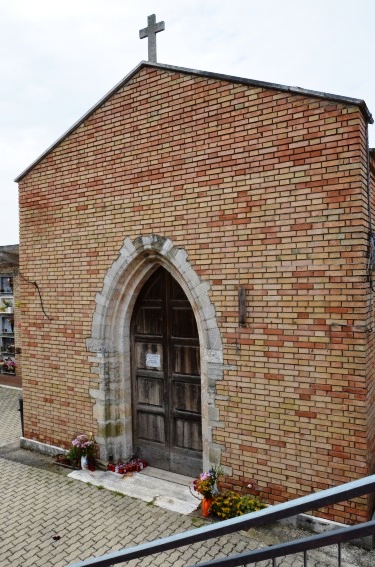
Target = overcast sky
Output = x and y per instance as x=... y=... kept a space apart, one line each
x=59 y=58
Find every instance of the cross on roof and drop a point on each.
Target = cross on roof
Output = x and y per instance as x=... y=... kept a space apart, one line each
x=152 y=29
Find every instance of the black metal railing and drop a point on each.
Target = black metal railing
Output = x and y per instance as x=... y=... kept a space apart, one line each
x=253 y=520
x=304 y=545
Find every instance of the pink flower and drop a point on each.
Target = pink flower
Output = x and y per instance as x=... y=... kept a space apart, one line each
x=204 y=475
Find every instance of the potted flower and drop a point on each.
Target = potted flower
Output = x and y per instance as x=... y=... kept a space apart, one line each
x=7 y=365
x=83 y=451
x=206 y=485
x=10 y=366
x=7 y=305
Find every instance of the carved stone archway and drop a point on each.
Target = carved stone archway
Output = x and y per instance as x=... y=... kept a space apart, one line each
x=109 y=345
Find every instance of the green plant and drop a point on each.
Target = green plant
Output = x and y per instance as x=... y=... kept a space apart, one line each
x=74 y=455
x=7 y=303
x=230 y=504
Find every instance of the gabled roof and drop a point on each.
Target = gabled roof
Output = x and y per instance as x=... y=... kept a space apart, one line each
x=9 y=254
x=216 y=76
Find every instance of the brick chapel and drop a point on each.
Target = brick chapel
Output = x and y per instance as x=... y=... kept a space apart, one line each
x=203 y=249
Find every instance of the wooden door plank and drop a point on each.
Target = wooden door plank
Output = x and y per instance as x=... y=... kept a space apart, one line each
x=166 y=377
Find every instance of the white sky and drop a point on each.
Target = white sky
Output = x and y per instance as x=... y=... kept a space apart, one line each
x=57 y=59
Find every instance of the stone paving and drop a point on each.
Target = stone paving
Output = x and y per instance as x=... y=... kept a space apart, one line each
x=10 y=423
x=47 y=519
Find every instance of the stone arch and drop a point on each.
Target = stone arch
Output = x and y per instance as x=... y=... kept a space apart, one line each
x=109 y=345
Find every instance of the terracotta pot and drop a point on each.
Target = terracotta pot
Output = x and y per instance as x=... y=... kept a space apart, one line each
x=206 y=505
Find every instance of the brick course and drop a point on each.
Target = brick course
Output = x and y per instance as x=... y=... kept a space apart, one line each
x=257 y=185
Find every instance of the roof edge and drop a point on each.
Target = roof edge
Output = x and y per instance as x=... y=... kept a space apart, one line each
x=264 y=84
x=12 y=248
x=9 y=255
x=80 y=121
x=207 y=74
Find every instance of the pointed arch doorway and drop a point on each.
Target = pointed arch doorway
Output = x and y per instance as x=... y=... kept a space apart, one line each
x=166 y=382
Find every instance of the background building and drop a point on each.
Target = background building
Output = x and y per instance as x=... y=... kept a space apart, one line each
x=10 y=371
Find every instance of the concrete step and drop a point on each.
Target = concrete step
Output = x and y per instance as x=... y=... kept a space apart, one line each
x=161 y=488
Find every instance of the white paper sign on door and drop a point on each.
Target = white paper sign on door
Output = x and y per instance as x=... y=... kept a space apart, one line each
x=153 y=360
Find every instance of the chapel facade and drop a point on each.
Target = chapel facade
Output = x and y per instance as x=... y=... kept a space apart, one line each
x=201 y=247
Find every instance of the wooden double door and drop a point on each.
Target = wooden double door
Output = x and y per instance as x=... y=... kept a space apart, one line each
x=166 y=383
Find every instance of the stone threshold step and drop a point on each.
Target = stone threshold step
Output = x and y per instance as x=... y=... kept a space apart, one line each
x=161 y=488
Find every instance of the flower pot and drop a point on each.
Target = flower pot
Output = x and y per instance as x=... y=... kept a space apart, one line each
x=84 y=463
x=206 y=505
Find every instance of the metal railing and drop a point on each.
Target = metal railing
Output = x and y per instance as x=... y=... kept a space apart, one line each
x=304 y=545
x=253 y=520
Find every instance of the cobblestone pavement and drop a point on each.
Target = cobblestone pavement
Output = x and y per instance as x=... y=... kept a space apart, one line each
x=10 y=423
x=49 y=520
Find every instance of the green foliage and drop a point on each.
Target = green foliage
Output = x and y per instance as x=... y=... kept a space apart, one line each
x=230 y=504
x=74 y=455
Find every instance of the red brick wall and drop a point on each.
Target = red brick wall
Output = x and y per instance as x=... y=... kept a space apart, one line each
x=371 y=341
x=256 y=184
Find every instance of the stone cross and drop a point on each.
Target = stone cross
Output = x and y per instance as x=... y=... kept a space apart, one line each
x=152 y=29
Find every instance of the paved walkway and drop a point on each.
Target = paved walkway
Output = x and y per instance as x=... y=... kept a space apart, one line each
x=10 y=423
x=49 y=520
